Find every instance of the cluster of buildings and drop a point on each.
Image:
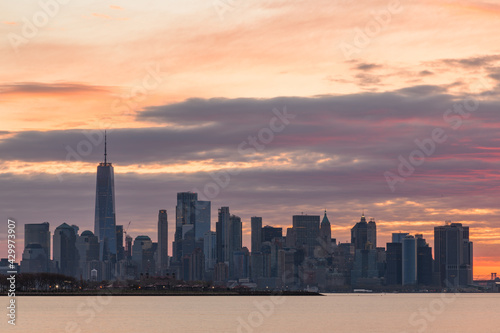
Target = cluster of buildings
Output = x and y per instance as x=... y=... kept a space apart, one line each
x=305 y=256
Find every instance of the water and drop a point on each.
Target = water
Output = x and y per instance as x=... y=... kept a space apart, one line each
x=385 y=313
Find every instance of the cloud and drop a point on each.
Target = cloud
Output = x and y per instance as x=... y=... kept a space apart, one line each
x=48 y=88
x=367 y=66
x=423 y=90
x=425 y=73
x=472 y=62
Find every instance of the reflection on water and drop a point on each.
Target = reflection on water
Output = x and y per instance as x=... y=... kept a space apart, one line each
x=244 y=314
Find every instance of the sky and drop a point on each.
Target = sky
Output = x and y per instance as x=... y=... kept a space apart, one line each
x=273 y=108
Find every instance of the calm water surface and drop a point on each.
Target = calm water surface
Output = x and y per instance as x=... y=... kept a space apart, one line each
x=332 y=313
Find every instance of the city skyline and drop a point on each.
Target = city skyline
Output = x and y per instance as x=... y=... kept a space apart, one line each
x=280 y=122
x=195 y=210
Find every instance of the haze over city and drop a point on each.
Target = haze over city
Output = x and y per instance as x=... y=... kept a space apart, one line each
x=189 y=98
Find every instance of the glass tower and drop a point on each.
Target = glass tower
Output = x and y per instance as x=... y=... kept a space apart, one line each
x=105 y=219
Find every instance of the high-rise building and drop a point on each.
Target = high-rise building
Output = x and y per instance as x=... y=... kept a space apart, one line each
x=36 y=234
x=424 y=262
x=203 y=218
x=236 y=236
x=162 y=263
x=394 y=267
x=397 y=237
x=409 y=256
x=307 y=232
x=190 y=215
x=120 y=250
x=453 y=259
x=143 y=255
x=34 y=259
x=105 y=218
x=269 y=233
x=326 y=231
x=65 y=252
x=87 y=246
x=210 y=250
x=256 y=225
x=223 y=232
x=364 y=235
x=128 y=247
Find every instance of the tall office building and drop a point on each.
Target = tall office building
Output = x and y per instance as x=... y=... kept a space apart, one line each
x=223 y=233
x=65 y=252
x=397 y=237
x=162 y=256
x=38 y=233
x=256 y=225
x=87 y=246
x=190 y=215
x=34 y=259
x=326 y=231
x=409 y=256
x=453 y=259
x=236 y=236
x=36 y=248
x=143 y=255
x=203 y=218
x=269 y=233
x=210 y=250
x=424 y=261
x=394 y=263
x=128 y=247
x=364 y=235
x=105 y=219
x=307 y=232
x=120 y=249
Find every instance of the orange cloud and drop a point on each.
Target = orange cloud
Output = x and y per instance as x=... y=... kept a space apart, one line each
x=116 y=7
x=9 y=23
x=104 y=16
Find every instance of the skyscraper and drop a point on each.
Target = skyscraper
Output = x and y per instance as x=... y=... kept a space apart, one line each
x=120 y=250
x=223 y=234
x=409 y=257
x=236 y=236
x=143 y=255
x=203 y=218
x=424 y=261
x=256 y=225
x=307 y=232
x=191 y=215
x=269 y=233
x=105 y=219
x=364 y=235
x=453 y=259
x=326 y=231
x=210 y=250
x=36 y=234
x=162 y=241
x=394 y=259
x=65 y=252
x=87 y=246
